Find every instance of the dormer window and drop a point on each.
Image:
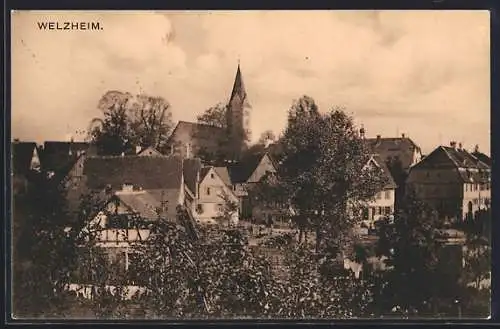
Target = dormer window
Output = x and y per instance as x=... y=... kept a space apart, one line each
x=127 y=187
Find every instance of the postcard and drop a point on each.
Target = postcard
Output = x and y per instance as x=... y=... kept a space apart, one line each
x=267 y=165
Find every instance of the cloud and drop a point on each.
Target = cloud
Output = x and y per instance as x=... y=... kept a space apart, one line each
x=395 y=70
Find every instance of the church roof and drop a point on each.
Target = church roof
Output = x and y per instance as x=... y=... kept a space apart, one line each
x=195 y=127
x=239 y=87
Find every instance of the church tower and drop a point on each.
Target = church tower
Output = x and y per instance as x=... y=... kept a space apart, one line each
x=238 y=117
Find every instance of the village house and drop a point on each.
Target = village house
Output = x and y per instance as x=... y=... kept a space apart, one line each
x=25 y=162
x=247 y=173
x=399 y=154
x=382 y=205
x=453 y=181
x=213 y=195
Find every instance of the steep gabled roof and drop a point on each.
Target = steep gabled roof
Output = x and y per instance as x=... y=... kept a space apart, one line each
x=223 y=174
x=203 y=172
x=382 y=165
x=241 y=171
x=404 y=147
x=22 y=153
x=469 y=168
x=58 y=156
x=144 y=172
x=149 y=151
x=191 y=170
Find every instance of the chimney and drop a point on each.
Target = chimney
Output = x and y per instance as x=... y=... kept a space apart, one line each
x=403 y=135
x=108 y=189
x=378 y=138
x=476 y=148
x=460 y=146
x=453 y=144
x=362 y=132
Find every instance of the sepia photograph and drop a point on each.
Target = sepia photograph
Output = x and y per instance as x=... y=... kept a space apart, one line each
x=261 y=165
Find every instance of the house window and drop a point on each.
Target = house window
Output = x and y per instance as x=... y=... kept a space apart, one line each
x=366 y=213
x=134 y=269
x=387 y=210
x=379 y=195
x=199 y=208
x=475 y=187
x=208 y=190
x=466 y=187
x=212 y=175
x=387 y=194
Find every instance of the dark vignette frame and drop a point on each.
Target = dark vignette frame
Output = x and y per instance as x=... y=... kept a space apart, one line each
x=491 y=5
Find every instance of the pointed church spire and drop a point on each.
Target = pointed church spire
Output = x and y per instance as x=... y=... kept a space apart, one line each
x=239 y=87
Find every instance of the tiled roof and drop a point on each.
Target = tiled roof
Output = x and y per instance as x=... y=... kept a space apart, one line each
x=241 y=171
x=203 y=172
x=22 y=153
x=147 y=203
x=470 y=168
x=382 y=165
x=223 y=174
x=191 y=170
x=198 y=129
x=482 y=157
x=144 y=172
x=404 y=147
x=463 y=159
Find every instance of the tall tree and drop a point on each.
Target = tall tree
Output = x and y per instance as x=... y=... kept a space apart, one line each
x=412 y=244
x=151 y=121
x=217 y=154
x=324 y=171
x=214 y=116
x=130 y=121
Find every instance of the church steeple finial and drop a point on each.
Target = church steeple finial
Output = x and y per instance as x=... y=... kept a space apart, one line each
x=239 y=87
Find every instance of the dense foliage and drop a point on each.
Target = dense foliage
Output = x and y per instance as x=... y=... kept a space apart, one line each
x=130 y=121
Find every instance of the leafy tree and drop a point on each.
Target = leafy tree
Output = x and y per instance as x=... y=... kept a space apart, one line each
x=214 y=116
x=412 y=244
x=151 y=121
x=132 y=121
x=266 y=138
x=324 y=171
x=476 y=270
x=43 y=256
x=213 y=153
x=228 y=210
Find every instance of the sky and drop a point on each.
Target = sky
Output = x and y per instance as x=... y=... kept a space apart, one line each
x=422 y=73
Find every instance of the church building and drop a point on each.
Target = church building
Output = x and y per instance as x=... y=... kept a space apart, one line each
x=190 y=139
